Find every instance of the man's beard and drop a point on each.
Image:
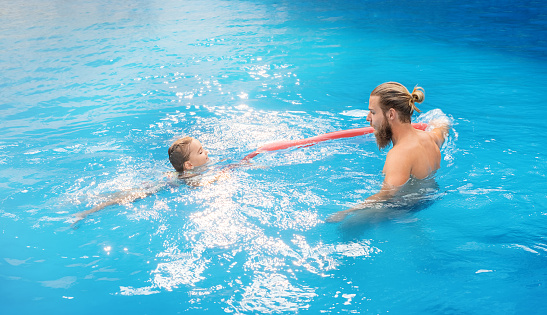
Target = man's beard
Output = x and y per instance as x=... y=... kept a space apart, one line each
x=383 y=135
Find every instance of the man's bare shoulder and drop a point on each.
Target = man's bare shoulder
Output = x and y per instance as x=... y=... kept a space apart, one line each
x=427 y=135
x=399 y=155
x=397 y=167
x=399 y=150
x=411 y=144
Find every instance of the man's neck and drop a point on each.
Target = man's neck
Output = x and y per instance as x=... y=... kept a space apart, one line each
x=401 y=131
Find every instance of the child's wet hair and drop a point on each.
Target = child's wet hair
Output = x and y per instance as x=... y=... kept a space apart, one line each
x=179 y=152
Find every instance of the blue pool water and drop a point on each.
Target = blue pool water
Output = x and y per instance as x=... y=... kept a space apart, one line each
x=94 y=92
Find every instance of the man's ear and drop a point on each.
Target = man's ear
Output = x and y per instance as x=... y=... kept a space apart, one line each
x=392 y=114
x=188 y=165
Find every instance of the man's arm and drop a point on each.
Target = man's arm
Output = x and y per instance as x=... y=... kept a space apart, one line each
x=439 y=129
x=397 y=173
x=383 y=195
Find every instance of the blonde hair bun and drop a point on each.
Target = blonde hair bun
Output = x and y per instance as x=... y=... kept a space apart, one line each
x=418 y=95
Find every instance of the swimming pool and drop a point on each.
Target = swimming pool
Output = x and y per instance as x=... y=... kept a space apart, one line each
x=93 y=93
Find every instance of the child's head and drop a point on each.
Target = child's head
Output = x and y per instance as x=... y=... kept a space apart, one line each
x=187 y=153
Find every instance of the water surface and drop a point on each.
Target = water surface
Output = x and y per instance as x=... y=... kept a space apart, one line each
x=94 y=92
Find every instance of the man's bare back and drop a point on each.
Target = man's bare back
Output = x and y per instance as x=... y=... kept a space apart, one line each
x=418 y=154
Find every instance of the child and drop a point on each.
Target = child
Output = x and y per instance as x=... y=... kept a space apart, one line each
x=185 y=154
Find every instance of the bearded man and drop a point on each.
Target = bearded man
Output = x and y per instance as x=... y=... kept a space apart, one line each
x=415 y=153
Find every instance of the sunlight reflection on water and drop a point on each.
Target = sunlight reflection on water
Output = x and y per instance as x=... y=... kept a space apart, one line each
x=95 y=91
x=246 y=224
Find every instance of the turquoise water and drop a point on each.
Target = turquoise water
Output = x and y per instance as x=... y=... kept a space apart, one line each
x=93 y=93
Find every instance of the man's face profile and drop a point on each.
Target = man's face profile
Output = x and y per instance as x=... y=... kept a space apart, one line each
x=378 y=120
x=383 y=134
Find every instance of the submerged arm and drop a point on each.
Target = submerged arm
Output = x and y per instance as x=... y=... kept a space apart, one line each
x=223 y=173
x=121 y=197
x=397 y=171
x=386 y=193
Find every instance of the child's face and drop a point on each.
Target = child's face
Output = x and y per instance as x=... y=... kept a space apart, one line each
x=198 y=155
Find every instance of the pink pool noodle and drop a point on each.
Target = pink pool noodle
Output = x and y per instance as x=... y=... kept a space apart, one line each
x=280 y=145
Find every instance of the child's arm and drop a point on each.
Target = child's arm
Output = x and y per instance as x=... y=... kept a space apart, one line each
x=222 y=173
x=121 y=197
